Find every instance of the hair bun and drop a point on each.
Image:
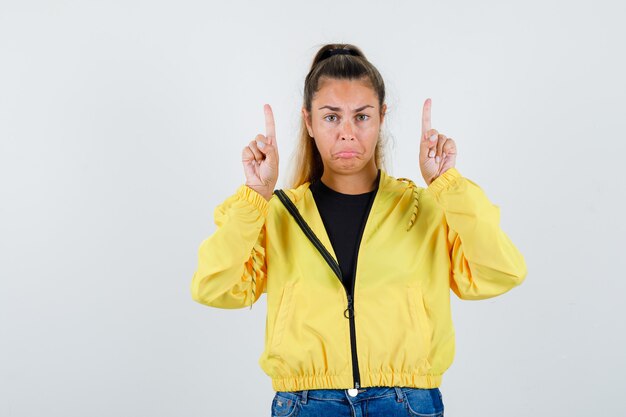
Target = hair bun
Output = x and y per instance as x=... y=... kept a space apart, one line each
x=338 y=51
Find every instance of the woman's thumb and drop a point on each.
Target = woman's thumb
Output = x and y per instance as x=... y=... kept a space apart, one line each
x=268 y=149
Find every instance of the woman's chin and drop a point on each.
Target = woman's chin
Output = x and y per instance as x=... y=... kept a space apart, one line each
x=348 y=165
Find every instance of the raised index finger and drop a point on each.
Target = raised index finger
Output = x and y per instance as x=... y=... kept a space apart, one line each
x=270 y=131
x=426 y=116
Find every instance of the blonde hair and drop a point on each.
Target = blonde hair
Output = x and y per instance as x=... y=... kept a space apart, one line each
x=307 y=160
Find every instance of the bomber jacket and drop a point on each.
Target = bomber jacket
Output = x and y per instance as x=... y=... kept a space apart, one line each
x=394 y=326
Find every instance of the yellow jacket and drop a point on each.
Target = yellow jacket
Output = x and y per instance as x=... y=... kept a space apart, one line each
x=418 y=244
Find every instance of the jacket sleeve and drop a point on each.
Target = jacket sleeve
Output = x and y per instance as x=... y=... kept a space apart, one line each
x=484 y=261
x=232 y=268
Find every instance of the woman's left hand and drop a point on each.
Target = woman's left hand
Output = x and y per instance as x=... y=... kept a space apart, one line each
x=437 y=152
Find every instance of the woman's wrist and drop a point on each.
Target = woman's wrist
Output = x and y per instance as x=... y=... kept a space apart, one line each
x=262 y=190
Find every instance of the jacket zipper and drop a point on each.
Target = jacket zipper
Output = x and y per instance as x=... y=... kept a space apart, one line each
x=356 y=376
x=355 y=365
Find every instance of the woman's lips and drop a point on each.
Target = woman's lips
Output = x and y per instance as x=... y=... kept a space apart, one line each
x=346 y=154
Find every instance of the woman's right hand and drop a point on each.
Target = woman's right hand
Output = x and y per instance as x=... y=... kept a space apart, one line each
x=260 y=159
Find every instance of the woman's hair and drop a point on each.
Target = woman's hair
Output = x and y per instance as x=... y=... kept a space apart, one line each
x=353 y=66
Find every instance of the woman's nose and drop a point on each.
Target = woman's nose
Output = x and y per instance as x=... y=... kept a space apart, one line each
x=347 y=131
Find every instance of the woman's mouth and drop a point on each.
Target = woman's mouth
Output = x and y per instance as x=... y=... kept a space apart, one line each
x=346 y=154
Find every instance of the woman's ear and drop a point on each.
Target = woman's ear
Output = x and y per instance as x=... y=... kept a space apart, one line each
x=383 y=112
x=307 y=120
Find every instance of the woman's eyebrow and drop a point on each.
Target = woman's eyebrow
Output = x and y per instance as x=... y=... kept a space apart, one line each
x=339 y=109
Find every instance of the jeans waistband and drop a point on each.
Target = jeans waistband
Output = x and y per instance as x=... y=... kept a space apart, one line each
x=342 y=394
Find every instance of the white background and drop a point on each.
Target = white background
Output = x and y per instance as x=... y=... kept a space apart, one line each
x=122 y=125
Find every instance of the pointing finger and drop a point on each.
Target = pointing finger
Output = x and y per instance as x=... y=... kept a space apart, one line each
x=426 y=116
x=270 y=131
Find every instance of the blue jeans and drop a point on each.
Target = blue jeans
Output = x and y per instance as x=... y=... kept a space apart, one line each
x=369 y=402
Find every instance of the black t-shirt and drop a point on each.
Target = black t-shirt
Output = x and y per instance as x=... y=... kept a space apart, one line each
x=343 y=216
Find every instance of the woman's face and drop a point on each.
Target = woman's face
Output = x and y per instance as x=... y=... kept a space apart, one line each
x=345 y=122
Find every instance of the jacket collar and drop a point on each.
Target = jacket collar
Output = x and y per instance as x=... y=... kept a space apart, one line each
x=388 y=191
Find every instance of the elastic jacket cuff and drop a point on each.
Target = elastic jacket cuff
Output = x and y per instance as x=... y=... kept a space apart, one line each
x=444 y=181
x=252 y=196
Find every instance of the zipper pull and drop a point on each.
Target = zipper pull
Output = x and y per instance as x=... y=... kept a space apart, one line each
x=350 y=309
x=355 y=391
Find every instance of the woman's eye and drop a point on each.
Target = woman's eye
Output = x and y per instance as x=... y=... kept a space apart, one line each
x=361 y=117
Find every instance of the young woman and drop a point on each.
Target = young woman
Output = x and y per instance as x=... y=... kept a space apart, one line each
x=357 y=265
